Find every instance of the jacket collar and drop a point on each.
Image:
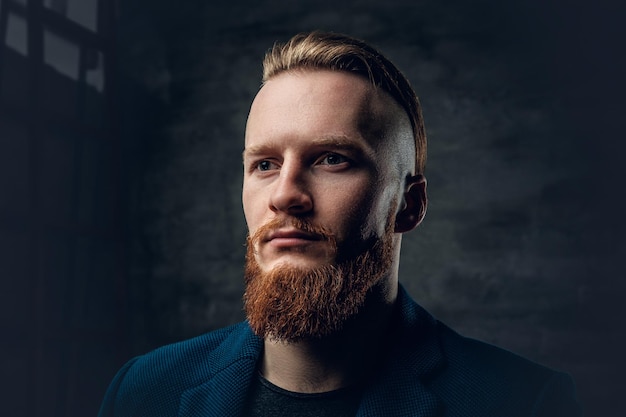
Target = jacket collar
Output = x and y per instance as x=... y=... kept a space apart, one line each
x=414 y=356
x=232 y=366
x=399 y=389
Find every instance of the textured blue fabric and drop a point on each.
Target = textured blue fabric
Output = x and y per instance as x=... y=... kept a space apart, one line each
x=429 y=370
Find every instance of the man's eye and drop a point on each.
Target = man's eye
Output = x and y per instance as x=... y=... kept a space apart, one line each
x=333 y=159
x=265 y=166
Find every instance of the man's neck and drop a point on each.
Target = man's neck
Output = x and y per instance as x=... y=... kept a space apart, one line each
x=327 y=364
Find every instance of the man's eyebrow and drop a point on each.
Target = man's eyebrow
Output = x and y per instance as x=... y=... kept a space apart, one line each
x=258 y=149
x=337 y=142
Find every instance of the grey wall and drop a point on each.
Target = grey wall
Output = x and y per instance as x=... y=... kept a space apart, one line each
x=522 y=245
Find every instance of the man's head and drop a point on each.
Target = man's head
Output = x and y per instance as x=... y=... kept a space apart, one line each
x=337 y=52
x=333 y=143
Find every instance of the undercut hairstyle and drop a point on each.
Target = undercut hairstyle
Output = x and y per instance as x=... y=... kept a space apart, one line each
x=337 y=52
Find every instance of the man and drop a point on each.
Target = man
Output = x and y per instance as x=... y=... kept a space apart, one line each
x=333 y=176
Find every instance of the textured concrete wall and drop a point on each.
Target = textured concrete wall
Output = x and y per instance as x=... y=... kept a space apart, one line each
x=523 y=239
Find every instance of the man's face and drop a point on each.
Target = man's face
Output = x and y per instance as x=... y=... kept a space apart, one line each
x=324 y=167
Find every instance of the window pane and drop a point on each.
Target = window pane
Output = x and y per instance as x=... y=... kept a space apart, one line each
x=83 y=12
x=17 y=34
x=61 y=54
x=95 y=70
x=59 y=6
x=59 y=84
x=14 y=84
x=92 y=104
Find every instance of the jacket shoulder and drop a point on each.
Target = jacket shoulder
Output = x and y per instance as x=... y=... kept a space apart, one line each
x=155 y=381
x=468 y=377
x=502 y=379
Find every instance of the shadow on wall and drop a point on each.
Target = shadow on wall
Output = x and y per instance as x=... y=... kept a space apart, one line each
x=63 y=200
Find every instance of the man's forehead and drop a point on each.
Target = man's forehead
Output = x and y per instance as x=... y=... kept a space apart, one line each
x=302 y=95
x=299 y=93
x=324 y=103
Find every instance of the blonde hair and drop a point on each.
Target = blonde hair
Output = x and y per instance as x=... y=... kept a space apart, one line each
x=337 y=52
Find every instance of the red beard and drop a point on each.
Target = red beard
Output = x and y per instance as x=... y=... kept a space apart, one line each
x=291 y=303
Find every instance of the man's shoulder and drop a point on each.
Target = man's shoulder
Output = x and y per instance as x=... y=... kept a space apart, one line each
x=464 y=372
x=459 y=354
x=156 y=380
x=502 y=379
x=469 y=355
x=180 y=357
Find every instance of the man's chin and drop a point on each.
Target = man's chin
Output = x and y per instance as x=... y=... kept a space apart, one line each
x=298 y=260
x=296 y=265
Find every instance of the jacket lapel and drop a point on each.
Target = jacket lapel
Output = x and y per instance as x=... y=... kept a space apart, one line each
x=414 y=357
x=232 y=365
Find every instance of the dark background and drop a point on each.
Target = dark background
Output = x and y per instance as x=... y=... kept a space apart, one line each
x=121 y=131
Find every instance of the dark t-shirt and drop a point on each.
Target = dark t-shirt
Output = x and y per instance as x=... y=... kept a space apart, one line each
x=266 y=399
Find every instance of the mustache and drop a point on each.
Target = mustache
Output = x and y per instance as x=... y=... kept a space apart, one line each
x=306 y=226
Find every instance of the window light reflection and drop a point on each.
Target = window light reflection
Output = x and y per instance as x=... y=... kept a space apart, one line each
x=17 y=34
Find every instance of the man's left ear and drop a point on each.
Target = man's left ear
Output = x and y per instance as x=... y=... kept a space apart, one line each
x=414 y=205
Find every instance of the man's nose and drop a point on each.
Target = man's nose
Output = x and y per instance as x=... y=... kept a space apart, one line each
x=291 y=195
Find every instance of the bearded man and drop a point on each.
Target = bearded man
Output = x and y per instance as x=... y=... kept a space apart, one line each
x=333 y=176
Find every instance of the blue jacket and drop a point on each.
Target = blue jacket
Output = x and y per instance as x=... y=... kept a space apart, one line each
x=429 y=371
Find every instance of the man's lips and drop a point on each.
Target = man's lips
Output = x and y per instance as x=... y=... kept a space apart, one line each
x=290 y=237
